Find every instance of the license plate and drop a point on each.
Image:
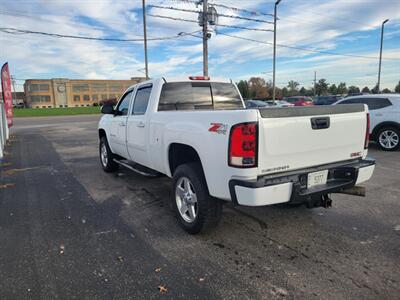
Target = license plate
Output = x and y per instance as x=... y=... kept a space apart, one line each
x=317 y=178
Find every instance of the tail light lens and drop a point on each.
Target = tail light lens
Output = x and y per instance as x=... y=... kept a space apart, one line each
x=367 y=133
x=243 y=145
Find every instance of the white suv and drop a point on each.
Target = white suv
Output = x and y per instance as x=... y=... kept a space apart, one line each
x=384 y=112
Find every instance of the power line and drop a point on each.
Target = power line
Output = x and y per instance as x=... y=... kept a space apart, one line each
x=251 y=12
x=174 y=8
x=218 y=14
x=221 y=25
x=304 y=49
x=16 y=31
x=20 y=14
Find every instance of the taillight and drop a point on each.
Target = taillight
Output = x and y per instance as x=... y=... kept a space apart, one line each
x=367 y=133
x=243 y=145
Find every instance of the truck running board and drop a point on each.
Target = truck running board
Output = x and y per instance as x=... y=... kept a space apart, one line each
x=137 y=168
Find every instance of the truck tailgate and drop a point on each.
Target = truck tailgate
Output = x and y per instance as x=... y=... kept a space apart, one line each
x=300 y=137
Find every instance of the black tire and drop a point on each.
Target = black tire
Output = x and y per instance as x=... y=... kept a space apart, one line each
x=389 y=131
x=108 y=164
x=209 y=209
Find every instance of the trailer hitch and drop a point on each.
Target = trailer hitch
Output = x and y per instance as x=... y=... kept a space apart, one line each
x=319 y=201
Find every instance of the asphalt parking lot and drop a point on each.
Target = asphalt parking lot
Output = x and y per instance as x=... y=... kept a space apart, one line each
x=69 y=230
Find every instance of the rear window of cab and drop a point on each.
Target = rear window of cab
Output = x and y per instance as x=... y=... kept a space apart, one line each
x=199 y=96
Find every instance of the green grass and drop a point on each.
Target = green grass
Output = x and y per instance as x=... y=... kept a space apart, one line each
x=45 y=112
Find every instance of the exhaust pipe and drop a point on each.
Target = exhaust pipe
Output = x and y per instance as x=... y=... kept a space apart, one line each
x=354 y=191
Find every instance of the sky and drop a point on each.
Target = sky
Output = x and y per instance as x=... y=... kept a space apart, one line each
x=350 y=27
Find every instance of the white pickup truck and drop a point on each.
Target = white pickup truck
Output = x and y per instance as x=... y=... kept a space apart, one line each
x=197 y=131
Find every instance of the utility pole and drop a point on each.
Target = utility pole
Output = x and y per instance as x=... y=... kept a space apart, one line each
x=380 y=56
x=205 y=38
x=273 y=76
x=146 y=66
x=315 y=83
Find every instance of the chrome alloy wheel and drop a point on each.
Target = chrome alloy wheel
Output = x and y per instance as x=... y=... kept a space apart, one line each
x=103 y=155
x=186 y=199
x=388 y=139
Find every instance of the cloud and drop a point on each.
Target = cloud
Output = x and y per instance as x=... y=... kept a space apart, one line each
x=331 y=25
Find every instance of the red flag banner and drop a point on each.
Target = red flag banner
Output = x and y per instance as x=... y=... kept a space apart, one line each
x=7 y=96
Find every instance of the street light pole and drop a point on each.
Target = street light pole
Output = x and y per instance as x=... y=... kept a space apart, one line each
x=380 y=57
x=146 y=66
x=205 y=37
x=273 y=75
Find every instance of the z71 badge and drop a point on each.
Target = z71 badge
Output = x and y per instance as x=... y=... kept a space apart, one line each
x=218 y=128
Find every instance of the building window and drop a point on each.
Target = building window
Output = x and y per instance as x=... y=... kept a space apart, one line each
x=99 y=87
x=115 y=87
x=95 y=97
x=80 y=87
x=86 y=98
x=40 y=98
x=77 y=98
x=44 y=87
x=103 y=97
x=39 y=87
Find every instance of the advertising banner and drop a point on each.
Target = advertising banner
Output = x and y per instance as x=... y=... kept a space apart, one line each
x=7 y=95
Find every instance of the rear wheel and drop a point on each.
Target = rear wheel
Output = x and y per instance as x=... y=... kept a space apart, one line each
x=388 y=138
x=106 y=156
x=195 y=209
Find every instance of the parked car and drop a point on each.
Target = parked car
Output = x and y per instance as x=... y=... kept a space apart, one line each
x=197 y=131
x=326 y=100
x=300 y=101
x=279 y=103
x=255 y=103
x=384 y=110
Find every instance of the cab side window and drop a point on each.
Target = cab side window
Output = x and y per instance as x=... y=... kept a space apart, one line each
x=141 y=100
x=123 y=104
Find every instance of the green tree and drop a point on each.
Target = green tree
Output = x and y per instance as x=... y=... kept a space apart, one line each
x=322 y=87
x=258 y=88
x=365 y=90
x=333 y=89
x=302 y=91
x=309 y=92
x=244 y=89
x=386 y=91
x=292 y=85
x=342 y=89
x=353 y=89
x=375 y=90
x=285 y=92
x=397 y=88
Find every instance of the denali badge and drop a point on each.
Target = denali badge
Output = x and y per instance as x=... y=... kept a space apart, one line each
x=218 y=128
x=281 y=168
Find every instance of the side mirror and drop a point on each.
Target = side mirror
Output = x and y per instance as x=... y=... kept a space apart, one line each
x=107 y=109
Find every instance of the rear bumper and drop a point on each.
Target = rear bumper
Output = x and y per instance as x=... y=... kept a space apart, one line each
x=292 y=186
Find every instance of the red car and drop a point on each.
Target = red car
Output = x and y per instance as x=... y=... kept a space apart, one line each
x=300 y=101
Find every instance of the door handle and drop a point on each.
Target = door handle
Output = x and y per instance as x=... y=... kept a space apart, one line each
x=122 y=124
x=320 y=123
x=140 y=124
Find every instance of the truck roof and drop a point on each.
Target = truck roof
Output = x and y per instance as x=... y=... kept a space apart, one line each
x=197 y=78
x=184 y=79
x=391 y=96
